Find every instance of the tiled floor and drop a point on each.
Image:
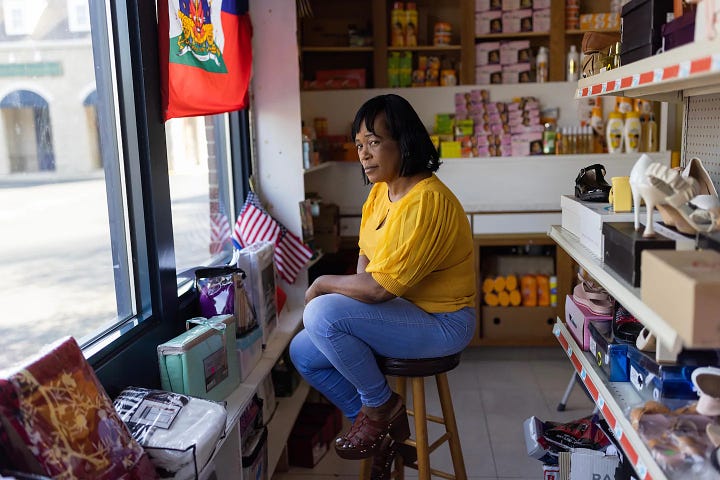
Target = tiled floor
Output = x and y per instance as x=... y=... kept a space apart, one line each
x=494 y=390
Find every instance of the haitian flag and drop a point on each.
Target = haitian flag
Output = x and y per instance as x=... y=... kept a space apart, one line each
x=205 y=56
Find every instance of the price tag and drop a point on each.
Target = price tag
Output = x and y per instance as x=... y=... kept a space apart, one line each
x=600 y=402
x=715 y=66
x=635 y=80
x=658 y=75
x=641 y=469
x=617 y=431
x=569 y=351
x=684 y=70
x=618 y=82
x=583 y=374
x=604 y=87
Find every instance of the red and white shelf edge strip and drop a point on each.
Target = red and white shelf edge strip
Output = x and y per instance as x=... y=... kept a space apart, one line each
x=682 y=70
x=610 y=417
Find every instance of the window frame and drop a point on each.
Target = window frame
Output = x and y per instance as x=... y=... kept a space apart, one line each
x=131 y=358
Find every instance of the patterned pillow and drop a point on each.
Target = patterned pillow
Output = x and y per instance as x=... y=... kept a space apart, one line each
x=58 y=421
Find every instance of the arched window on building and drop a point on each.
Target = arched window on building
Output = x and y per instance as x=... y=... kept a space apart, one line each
x=28 y=133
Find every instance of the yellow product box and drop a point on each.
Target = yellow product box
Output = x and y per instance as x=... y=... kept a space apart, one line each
x=450 y=149
x=683 y=287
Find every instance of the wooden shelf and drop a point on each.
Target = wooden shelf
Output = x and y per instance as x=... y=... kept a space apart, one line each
x=500 y=36
x=618 y=288
x=336 y=49
x=426 y=48
x=601 y=30
x=692 y=69
x=613 y=399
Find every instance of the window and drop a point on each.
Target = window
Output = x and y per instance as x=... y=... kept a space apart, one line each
x=198 y=166
x=78 y=15
x=64 y=251
x=22 y=16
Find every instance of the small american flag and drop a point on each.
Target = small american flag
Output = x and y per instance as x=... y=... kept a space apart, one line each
x=219 y=232
x=291 y=255
x=254 y=224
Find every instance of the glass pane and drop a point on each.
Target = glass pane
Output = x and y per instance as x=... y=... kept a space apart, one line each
x=199 y=190
x=63 y=252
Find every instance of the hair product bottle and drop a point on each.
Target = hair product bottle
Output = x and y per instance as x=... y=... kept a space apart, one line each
x=614 y=132
x=650 y=135
x=573 y=64
x=397 y=25
x=541 y=65
x=632 y=131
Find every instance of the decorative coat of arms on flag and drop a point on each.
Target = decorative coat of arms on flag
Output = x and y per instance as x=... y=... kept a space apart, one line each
x=205 y=56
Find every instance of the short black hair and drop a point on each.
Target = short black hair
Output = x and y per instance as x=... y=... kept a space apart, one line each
x=416 y=148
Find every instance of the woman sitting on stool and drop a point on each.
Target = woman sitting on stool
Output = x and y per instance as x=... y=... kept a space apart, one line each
x=413 y=295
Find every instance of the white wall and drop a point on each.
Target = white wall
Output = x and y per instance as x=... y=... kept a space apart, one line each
x=275 y=101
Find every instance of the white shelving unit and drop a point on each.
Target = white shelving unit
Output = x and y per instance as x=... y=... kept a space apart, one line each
x=689 y=74
x=622 y=291
x=613 y=399
x=689 y=70
x=228 y=458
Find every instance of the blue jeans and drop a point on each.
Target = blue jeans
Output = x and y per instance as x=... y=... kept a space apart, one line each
x=336 y=351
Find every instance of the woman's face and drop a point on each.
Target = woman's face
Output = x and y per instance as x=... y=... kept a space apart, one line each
x=379 y=154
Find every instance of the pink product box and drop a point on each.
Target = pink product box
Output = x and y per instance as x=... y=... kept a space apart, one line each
x=541 y=20
x=488 y=22
x=517 y=51
x=541 y=4
x=488 y=74
x=516 y=21
x=505 y=151
x=487 y=53
x=526 y=144
x=578 y=318
x=508 y=5
x=483 y=151
x=517 y=73
x=485 y=5
x=462 y=99
x=527 y=128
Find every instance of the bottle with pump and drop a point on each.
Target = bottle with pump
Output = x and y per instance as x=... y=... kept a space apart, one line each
x=631 y=132
x=541 y=65
x=398 y=21
x=573 y=64
x=411 y=24
x=614 y=132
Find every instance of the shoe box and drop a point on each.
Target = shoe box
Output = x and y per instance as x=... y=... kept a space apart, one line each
x=668 y=384
x=623 y=247
x=611 y=357
x=578 y=318
x=313 y=434
x=641 y=35
x=683 y=287
x=585 y=220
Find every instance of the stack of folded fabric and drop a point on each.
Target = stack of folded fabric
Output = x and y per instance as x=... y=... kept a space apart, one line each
x=57 y=420
x=179 y=432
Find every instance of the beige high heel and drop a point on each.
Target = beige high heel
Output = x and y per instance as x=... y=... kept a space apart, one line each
x=670 y=192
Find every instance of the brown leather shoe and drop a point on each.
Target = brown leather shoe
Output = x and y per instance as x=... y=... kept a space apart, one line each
x=365 y=436
x=383 y=460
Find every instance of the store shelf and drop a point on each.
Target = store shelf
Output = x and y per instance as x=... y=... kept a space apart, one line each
x=426 y=48
x=692 y=69
x=320 y=166
x=239 y=399
x=618 y=288
x=282 y=423
x=582 y=32
x=336 y=49
x=494 y=36
x=613 y=399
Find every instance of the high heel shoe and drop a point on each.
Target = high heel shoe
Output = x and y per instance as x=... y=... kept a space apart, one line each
x=667 y=190
x=637 y=178
x=366 y=435
x=383 y=460
x=692 y=213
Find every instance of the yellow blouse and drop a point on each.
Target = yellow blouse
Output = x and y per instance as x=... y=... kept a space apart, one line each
x=420 y=247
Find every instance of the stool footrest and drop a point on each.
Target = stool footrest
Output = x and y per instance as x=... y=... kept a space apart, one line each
x=432 y=418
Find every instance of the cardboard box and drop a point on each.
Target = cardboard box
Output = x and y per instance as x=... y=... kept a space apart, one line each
x=683 y=287
x=585 y=220
x=622 y=248
x=590 y=464
x=578 y=318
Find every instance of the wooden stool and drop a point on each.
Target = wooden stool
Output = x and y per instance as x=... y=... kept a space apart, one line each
x=416 y=370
